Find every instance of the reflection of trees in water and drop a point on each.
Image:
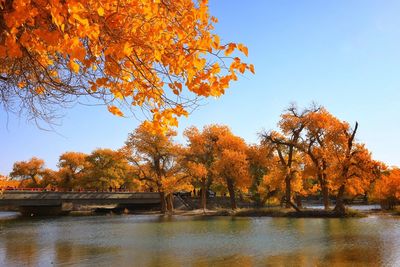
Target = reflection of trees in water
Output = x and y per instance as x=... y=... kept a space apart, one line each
x=183 y=241
x=199 y=260
x=353 y=256
x=298 y=225
x=337 y=242
x=128 y=241
x=21 y=248
x=361 y=256
x=67 y=252
x=352 y=241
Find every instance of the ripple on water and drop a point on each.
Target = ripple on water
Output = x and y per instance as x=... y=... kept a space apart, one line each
x=143 y=240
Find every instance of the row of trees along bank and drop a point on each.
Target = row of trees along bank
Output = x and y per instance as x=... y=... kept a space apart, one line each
x=312 y=153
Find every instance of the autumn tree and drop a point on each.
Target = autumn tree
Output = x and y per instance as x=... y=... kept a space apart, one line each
x=340 y=164
x=200 y=155
x=231 y=167
x=323 y=133
x=198 y=173
x=31 y=171
x=355 y=170
x=260 y=159
x=159 y=56
x=156 y=158
x=71 y=169
x=387 y=188
x=287 y=145
x=50 y=179
x=106 y=168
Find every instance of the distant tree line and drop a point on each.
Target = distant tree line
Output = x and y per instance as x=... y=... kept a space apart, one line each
x=311 y=154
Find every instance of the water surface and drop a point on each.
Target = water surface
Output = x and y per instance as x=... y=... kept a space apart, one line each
x=148 y=240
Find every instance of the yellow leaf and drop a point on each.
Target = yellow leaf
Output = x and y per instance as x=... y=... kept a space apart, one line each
x=231 y=47
x=100 y=11
x=116 y=111
x=243 y=49
x=39 y=90
x=251 y=67
x=216 y=42
x=242 y=68
x=157 y=55
x=214 y=19
x=118 y=95
x=216 y=68
x=127 y=49
x=74 y=66
x=83 y=21
x=21 y=84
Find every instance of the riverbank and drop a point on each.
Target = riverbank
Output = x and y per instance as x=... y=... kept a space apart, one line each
x=272 y=212
x=276 y=212
x=362 y=211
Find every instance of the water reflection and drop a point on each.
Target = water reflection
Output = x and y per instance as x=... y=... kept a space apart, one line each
x=21 y=248
x=186 y=241
x=341 y=257
x=78 y=254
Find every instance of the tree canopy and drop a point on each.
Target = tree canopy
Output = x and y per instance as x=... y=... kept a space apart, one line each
x=156 y=56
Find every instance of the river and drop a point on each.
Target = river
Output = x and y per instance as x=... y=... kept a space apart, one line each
x=151 y=240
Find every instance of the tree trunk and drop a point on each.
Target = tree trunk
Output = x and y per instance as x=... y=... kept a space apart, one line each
x=340 y=208
x=299 y=204
x=288 y=191
x=163 y=202
x=231 y=190
x=203 y=194
x=209 y=182
x=294 y=206
x=35 y=181
x=325 y=196
x=170 y=202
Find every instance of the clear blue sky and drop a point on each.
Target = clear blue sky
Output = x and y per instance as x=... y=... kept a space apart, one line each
x=344 y=55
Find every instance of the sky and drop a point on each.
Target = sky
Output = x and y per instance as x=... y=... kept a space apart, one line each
x=344 y=55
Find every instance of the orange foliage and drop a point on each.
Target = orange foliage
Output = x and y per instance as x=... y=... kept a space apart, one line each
x=231 y=166
x=202 y=148
x=131 y=52
x=388 y=187
x=31 y=170
x=9 y=183
x=72 y=167
x=196 y=170
x=156 y=158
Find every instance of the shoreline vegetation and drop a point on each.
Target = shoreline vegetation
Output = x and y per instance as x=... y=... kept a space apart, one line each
x=276 y=212
x=220 y=207
x=251 y=212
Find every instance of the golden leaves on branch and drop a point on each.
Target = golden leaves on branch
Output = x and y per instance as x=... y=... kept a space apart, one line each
x=145 y=49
